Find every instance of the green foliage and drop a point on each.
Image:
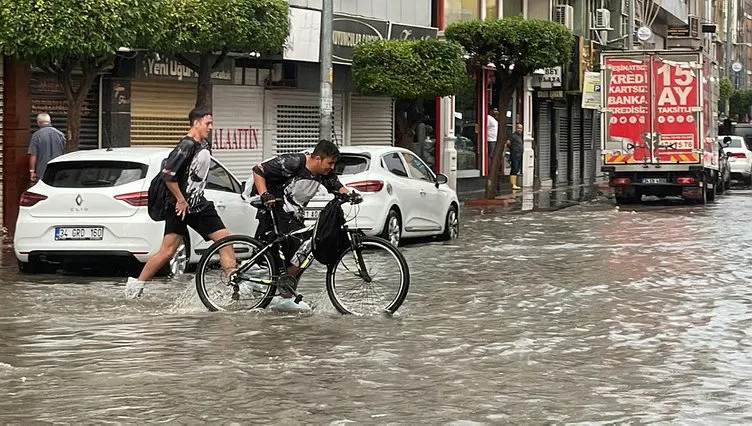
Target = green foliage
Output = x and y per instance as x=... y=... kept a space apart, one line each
x=740 y=102
x=726 y=88
x=528 y=44
x=58 y=32
x=205 y=26
x=408 y=69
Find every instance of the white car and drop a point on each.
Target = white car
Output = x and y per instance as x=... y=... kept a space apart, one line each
x=90 y=206
x=402 y=197
x=739 y=157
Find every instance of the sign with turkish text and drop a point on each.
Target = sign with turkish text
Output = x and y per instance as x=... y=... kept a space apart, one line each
x=172 y=69
x=551 y=77
x=627 y=105
x=347 y=31
x=591 y=90
x=675 y=101
x=411 y=32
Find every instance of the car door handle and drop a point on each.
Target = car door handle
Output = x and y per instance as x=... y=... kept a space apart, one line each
x=220 y=205
x=422 y=192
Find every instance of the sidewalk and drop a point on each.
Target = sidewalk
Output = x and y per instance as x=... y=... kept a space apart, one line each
x=546 y=198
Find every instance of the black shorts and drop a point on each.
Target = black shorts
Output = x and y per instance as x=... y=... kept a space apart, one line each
x=286 y=223
x=205 y=222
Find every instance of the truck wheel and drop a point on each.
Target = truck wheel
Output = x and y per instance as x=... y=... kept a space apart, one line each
x=634 y=198
x=710 y=194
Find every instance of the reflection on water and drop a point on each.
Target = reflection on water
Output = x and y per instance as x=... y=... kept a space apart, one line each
x=585 y=314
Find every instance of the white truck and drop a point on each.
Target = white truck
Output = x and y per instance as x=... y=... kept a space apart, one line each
x=659 y=124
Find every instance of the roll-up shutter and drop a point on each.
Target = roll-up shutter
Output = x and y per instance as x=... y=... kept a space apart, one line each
x=576 y=166
x=562 y=146
x=237 y=139
x=1 y=138
x=371 y=121
x=292 y=121
x=159 y=111
x=597 y=143
x=589 y=152
x=48 y=96
x=544 y=141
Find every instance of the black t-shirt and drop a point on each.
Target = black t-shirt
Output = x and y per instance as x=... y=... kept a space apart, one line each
x=288 y=177
x=188 y=165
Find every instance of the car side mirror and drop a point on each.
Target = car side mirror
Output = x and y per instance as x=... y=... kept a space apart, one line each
x=441 y=179
x=726 y=141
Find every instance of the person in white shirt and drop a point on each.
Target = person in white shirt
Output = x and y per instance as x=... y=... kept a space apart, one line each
x=492 y=132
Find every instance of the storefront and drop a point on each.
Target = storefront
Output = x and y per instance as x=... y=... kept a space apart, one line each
x=162 y=93
x=2 y=79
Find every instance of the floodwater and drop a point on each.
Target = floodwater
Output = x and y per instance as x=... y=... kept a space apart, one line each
x=585 y=314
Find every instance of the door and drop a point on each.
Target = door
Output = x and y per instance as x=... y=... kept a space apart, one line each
x=426 y=204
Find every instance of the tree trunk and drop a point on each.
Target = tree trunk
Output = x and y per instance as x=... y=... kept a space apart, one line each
x=75 y=96
x=204 y=94
x=508 y=86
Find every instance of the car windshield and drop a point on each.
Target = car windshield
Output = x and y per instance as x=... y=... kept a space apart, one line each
x=351 y=164
x=734 y=143
x=89 y=174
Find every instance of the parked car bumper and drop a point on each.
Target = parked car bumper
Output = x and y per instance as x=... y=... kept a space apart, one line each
x=127 y=235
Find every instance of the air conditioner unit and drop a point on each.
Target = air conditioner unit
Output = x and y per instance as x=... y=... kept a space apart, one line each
x=565 y=15
x=602 y=19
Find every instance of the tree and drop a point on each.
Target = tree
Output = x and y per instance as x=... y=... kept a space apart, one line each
x=516 y=47
x=66 y=38
x=726 y=88
x=213 y=28
x=409 y=71
x=740 y=102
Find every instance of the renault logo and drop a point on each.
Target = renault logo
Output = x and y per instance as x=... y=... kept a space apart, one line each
x=79 y=200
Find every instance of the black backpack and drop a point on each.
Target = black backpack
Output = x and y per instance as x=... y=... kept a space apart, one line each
x=157 y=201
x=329 y=240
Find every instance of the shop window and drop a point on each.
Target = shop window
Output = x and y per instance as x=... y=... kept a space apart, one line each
x=424 y=141
x=512 y=8
x=461 y=10
x=465 y=127
x=492 y=11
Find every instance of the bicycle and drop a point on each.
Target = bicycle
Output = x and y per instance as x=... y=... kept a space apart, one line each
x=351 y=283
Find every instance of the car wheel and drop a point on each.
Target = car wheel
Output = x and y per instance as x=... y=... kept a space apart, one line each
x=392 y=228
x=452 y=225
x=748 y=180
x=27 y=267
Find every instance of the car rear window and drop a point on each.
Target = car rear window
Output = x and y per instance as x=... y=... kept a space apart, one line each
x=93 y=174
x=351 y=164
x=734 y=143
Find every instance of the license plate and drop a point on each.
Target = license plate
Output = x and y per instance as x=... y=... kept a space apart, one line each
x=654 y=180
x=79 y=233
x=311 y=214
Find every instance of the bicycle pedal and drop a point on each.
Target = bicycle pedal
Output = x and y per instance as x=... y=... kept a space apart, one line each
x=298 y=298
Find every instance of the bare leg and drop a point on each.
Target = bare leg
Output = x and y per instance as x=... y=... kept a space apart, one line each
x=170 y=244
x=226 y=253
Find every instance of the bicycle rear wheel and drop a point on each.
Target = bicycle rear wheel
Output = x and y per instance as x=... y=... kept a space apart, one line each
x=252 y=284
x=383 y=288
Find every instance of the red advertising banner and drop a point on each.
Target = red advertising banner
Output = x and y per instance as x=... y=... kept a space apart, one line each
x=628 y=100
x=675 y=99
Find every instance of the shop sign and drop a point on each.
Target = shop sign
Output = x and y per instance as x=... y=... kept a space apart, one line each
x=347 y=31
x=411 y=32
x=551 y=78
x=591 y=90
x=172 y=69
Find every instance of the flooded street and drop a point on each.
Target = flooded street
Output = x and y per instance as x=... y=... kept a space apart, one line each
x=586 y=314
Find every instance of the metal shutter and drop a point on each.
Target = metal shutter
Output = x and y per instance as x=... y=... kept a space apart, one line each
x=544 y=141
x=48 y=96
x=589 y=152
x=576 y=120
x=562 y=146
x=1 y=138
x=237 y=139
x=371 y=121
x=159 y=111
x=597 y=162
x=291 y=121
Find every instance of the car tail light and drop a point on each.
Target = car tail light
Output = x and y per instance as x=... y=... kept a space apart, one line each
x=367 y=185
x=138 y=199
x=685 y=180
x=29 y=199
x=738 y=155
x=621 y=181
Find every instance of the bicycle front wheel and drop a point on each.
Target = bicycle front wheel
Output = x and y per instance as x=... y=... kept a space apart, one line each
x=371 y=279
x=247 y=286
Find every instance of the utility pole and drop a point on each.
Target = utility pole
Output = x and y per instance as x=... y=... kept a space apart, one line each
x=630 y=25
x=325 y=101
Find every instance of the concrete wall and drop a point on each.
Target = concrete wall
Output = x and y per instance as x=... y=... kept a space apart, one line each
x=415 y=12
